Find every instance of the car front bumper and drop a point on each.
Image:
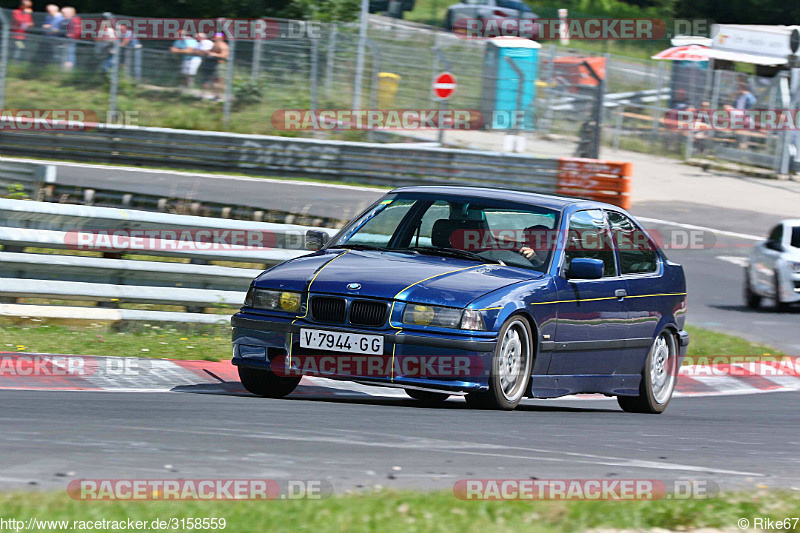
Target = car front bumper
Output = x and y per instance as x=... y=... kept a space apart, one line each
x=454 y=363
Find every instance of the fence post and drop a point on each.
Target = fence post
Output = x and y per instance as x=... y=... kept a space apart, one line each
x=226 y=106
x=518 y=106
x=376 y=67
x=549 y=113
x=362 y=44
x=112 y=97
x=330 y=58
x=659 y=86
x=440 y=57
x=4 y=56
x=255 y=68
x=314 y=72
x=618 y=125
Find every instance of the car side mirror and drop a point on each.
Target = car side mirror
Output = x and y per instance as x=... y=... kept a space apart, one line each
x=774 y=245
x=316 y=239
x=585 y=268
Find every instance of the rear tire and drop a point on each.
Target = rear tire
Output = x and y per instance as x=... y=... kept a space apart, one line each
x=426 y=397
x=511 y=368
x=266 y=383
x=658 y=378
x=752 y=299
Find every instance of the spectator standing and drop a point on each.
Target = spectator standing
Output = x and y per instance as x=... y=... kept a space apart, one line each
x=129 y=44
x=50 y=29
x=207 y=70
x=220 y=52
x=187 y=47
x=71 y=29
x=744 y=98
x=21 y=22
x=106 y=46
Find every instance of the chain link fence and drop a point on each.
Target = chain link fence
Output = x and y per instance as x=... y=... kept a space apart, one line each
x=313 y=66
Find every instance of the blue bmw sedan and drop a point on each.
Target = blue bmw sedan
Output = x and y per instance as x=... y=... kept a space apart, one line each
x=492 y=294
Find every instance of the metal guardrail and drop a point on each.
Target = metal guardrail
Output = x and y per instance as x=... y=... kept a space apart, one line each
x=286 y=157
x=112 y=280
x=27 y=175
x=387 y=165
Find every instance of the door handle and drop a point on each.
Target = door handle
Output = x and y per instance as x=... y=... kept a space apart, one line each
x=620 y=293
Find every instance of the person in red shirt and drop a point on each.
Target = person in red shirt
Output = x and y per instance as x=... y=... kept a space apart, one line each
x=21 y=21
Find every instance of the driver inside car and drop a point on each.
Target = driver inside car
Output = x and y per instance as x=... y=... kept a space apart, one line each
x=535 y=248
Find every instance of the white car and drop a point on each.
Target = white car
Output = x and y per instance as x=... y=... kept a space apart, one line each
x=773 y=269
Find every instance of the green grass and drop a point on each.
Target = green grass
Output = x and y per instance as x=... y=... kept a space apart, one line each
x=409 y=512
x=705 y=342
x=213 y=342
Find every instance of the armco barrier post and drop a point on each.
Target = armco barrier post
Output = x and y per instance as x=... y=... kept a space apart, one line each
x=605 y=181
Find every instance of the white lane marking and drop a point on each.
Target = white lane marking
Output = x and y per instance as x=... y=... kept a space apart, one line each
x=702 y=228
x=199 y=174
x=738 y=260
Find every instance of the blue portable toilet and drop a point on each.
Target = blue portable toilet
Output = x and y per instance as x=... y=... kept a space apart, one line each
x=500 y=94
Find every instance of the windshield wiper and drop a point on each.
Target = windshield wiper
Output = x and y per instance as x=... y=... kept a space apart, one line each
x=453 y=252
x=360 y=247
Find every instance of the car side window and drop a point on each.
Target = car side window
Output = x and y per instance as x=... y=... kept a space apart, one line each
x=776 y=234
x=637 y=254
x=588 y=237
x=437 y=211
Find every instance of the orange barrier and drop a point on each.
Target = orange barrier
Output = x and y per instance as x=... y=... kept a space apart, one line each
x=605 y=181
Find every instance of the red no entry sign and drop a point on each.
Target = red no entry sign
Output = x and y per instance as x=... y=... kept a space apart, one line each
x=444 y=85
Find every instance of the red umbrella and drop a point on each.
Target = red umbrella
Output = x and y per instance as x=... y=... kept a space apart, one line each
x=690 y=52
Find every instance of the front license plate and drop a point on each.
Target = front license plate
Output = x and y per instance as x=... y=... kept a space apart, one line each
x=337 y=341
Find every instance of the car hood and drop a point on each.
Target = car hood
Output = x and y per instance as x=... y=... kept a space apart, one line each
x=414 y=278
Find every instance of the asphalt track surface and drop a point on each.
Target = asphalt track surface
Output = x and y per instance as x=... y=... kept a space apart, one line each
x=48 y=438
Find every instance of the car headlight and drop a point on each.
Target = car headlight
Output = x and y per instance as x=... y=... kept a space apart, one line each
x=795 y=265
x=473 y=320
x=443 y=317
x=273 y=300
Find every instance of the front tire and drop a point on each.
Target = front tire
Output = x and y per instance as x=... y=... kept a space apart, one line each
x=265 y=383
x=752 y=299
x=780 y=306
x=511 y=368
x=427 y=397
x=658 y=378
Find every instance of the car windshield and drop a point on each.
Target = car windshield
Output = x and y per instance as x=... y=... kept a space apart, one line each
x=512 y=4
x=476 y=229
x=795 y=242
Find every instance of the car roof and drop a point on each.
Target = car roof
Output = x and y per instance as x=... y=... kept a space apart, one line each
x=542 y=200
x=791 y=222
